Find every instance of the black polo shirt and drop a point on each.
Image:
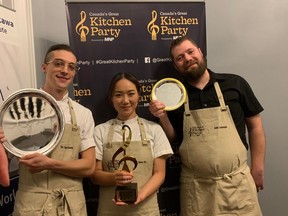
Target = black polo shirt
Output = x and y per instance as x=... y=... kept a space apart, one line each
x=237 y=94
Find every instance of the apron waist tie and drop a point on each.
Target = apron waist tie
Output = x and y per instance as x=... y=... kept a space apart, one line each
x=244 y=167
x=56 y=195
x=228 y=176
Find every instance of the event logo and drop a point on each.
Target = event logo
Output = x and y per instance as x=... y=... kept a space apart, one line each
x=170 y=25
x=81 y=29
x=152 y=28
x=101 y=26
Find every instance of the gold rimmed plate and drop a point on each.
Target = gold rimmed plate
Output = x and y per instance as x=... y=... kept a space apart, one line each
x=169 y=91
x=32 y=121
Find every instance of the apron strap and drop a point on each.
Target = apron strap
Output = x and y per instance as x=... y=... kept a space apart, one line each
x=110 y=134
x=186 y=107
x=220 y=96
x=73 y=116
x=142 y=132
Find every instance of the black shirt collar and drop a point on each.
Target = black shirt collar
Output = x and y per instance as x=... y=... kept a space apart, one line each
x=213 y=78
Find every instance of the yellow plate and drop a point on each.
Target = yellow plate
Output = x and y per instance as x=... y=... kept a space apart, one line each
x=169 y=91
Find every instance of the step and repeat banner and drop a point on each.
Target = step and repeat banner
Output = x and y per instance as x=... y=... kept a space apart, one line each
x=133 y=37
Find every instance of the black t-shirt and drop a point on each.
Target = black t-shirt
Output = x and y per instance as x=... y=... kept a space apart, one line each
x=237 y=94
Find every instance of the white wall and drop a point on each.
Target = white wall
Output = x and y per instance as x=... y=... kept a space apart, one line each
x=247 y=37
x=26 y=45
x=250 y=38
x=17 y=50
x=50 y=23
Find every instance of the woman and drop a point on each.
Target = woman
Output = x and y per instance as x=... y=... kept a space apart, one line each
x=149 y=145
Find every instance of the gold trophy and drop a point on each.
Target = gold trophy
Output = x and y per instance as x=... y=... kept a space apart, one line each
x=127 y=193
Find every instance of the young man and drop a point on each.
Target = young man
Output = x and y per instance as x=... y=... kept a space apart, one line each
x=52 y=184
x=215 y=178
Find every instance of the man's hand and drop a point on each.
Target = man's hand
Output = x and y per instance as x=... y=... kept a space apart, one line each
x=156 y=108
x=36 y=162
x=258 y=176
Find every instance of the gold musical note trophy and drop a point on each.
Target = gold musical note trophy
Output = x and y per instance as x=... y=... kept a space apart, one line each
x=126 y=193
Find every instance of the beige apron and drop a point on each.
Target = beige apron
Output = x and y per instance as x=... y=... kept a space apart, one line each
x=50 y=193
x=141 y=150
x=215 y=178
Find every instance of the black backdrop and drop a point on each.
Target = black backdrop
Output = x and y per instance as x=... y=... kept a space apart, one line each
x=114 y=37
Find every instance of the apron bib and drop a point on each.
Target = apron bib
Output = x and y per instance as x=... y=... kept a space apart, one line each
x=50 y=193
x=141 y=150
x=215 y=178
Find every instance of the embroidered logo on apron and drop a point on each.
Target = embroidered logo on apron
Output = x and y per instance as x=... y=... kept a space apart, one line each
x=197 y=131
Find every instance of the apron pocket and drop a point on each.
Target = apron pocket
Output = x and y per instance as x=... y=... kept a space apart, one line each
x=235 y=194
x=197 y=197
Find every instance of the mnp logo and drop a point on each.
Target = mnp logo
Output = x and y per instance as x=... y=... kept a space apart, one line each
x=80 y=28
x=152 y=28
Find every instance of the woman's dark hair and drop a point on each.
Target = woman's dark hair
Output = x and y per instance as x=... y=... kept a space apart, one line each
x=119 y=76
x=55 y=48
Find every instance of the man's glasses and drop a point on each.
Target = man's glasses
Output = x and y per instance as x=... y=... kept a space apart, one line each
x=60 y=64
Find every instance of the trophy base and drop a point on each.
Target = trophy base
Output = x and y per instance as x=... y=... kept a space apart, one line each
x=127 y=193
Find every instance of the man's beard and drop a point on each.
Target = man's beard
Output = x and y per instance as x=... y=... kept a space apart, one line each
x=194 y=74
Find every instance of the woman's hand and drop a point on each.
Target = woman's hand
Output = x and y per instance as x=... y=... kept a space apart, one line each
x=123 y=178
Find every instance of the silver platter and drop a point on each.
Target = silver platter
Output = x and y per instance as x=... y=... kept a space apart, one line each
x=32 y=121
